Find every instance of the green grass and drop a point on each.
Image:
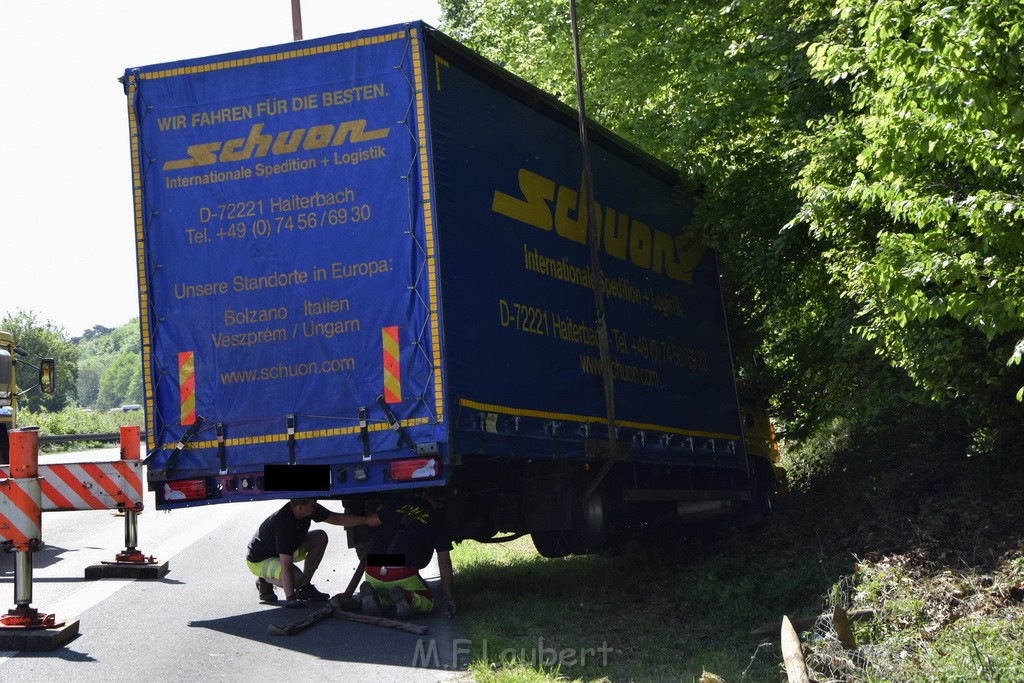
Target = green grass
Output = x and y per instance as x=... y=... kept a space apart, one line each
x=663 y=609
x=940 y=626
x=907 y=526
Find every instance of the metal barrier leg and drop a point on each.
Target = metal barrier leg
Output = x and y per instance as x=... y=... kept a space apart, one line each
x=130 y=562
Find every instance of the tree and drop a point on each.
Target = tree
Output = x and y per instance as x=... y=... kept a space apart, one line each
x=43 y=340
x=101 y=350
x=95 y=332
x=121 y=382
x=917 y=187
x=90 y=370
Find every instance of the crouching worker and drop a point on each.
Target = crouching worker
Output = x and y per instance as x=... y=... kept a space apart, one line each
x=410 y=533
x=282 y=540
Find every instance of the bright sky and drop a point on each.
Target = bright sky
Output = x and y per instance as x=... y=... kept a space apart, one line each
x=66 y=215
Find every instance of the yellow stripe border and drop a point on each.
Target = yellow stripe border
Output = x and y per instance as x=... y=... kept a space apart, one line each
x=571 y=417
x=279 y=438
x=429 y=237
x=276 y=57
x=143 y=283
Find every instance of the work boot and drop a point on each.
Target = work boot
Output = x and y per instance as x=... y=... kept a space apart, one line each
x=308 y=592
x=266 y=590
x=402 y=607
x=367 y=596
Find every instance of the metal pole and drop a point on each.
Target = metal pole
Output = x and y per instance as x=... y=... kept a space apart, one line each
x=23 y=578
x=296 y=20
x=131 y=530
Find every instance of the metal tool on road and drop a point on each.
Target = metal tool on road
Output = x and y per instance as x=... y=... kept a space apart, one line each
x=338 y=607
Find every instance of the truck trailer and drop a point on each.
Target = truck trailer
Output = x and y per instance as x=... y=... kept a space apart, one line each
x=364 y=268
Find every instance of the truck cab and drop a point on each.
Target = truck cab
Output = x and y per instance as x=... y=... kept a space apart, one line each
x=9 y=388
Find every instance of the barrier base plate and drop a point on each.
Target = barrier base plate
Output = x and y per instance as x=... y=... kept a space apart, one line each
x=37 y=639
x=125 y=570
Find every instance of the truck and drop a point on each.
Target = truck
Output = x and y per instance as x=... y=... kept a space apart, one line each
x=9 y=392
x=365 y=268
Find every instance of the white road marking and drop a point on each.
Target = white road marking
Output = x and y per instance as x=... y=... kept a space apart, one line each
x=91 y=593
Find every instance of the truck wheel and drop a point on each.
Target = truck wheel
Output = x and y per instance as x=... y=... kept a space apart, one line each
x=550 y=544
x=588 y=533
x=762 y=486
x=589 y=523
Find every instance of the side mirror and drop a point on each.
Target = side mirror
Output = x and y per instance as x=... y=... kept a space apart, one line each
x=47 y=368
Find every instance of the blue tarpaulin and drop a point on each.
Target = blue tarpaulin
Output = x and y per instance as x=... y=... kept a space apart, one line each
x=282 y=244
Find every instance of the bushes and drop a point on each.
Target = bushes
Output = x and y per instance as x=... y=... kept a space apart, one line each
x=75 y=420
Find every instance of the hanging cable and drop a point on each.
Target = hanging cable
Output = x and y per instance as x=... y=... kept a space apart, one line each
x=595 y=255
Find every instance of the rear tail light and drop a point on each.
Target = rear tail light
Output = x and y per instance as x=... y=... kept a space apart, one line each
x=416 y=468
x=186 y=489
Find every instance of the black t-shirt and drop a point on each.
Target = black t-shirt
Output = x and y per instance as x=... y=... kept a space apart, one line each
x=282 y=534
x=413 y=530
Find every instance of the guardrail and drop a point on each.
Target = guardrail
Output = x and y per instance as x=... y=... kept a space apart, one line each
x=69 y=438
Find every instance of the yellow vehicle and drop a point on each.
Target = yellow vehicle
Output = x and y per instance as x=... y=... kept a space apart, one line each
x=9 y=391
x=759 y=440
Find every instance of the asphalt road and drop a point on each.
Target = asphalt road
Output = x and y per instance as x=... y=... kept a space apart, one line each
x=203 y=621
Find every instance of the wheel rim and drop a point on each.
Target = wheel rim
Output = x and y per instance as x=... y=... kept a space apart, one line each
x=593 y=514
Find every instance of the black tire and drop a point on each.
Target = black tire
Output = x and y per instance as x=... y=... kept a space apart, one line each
x=589 y=522
x=764 y=486
x=589 y=530
x=756 y=511
x=550 y=544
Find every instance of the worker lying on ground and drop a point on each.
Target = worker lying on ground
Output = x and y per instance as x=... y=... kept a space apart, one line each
x=282 y=540
x=410 y=533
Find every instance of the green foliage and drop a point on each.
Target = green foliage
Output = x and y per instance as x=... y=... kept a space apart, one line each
x=42 y=340
x=110 y=370
x=121 y=382
x=105 y=341
x=75 y=420
x=90 y=371
x=918 y=640
x=917 y=186
x=102 y=369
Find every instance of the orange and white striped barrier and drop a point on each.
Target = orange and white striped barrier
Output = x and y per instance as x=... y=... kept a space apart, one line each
x=20 y=522
x=86 y=486
x=20 y=494
x=79 y=486
x=27 y=489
